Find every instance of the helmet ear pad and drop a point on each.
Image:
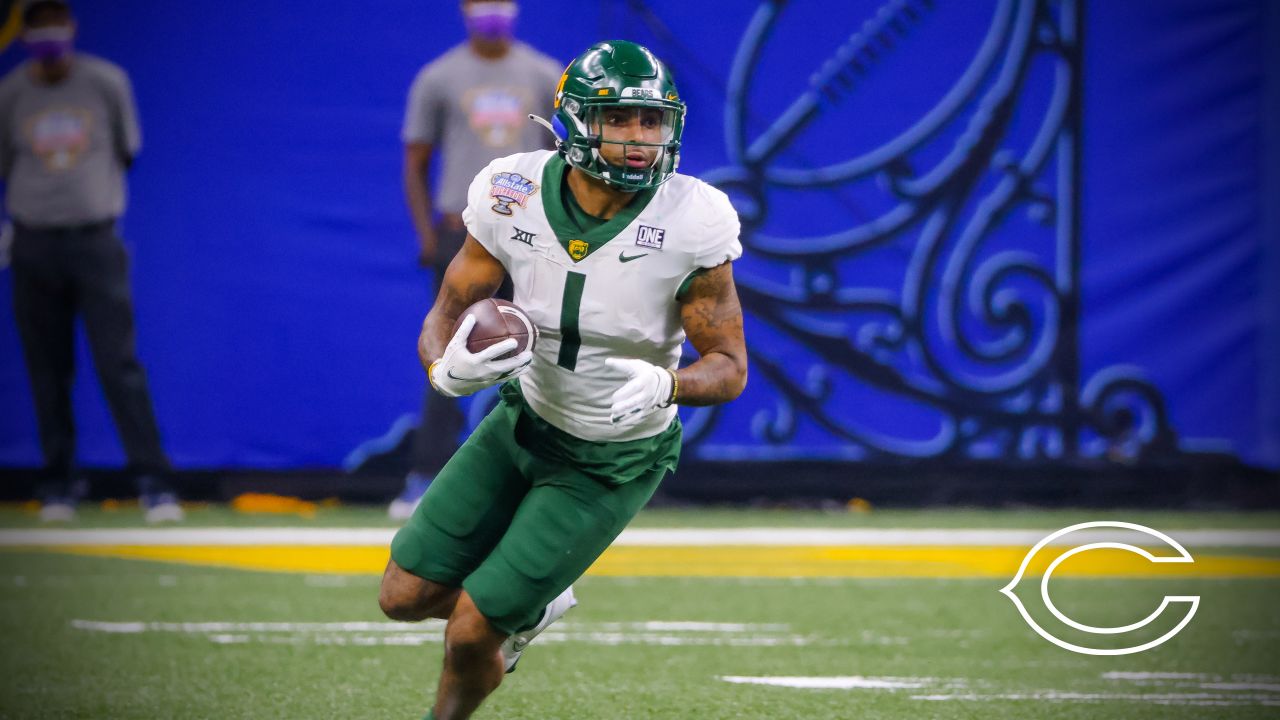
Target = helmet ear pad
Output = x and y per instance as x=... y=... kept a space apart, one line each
x=562 y=132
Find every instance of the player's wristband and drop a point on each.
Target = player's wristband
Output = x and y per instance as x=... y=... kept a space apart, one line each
x=675 y=389
x=431 y=369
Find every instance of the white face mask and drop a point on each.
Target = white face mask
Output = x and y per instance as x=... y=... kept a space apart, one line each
x=491 y=20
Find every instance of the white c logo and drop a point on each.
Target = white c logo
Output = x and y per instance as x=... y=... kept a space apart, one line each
x=1192 y=601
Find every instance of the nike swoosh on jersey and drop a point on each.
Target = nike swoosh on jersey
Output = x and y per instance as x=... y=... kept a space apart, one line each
x=623 y=257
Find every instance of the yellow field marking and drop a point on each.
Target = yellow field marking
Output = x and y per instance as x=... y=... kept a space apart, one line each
x=731 y=561
x=907 y=562
x=342 y=559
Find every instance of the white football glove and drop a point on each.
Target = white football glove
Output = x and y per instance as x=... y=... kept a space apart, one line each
x=648 y=387
x=460 y=372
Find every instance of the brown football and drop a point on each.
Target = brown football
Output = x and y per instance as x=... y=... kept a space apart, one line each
x=497 y=320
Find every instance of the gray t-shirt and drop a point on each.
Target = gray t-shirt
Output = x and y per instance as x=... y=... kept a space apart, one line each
x=472 y=110
x=64 y=148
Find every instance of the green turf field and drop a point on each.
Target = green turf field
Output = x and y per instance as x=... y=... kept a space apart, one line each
x=109 y=638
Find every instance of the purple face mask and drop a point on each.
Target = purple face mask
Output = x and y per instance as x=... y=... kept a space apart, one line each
x=48 y=43
x=491 y=20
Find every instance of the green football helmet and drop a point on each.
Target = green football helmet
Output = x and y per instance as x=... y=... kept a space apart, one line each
x=619 y=93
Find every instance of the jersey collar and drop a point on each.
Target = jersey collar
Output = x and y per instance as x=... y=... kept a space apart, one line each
x=579 y=244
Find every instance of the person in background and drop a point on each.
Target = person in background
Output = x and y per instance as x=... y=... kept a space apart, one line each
x=68 y=132
x=470 y=106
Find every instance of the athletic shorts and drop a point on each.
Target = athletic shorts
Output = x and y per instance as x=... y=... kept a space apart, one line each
x=522 y=509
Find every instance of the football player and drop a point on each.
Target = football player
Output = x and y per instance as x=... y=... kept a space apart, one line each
x=617 y=259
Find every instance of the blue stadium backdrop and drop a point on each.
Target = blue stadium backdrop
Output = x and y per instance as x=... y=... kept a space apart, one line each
x=1014 y=230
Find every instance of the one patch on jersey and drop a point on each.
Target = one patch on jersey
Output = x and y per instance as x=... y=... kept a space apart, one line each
x=523 y=236
x=650 y=237
x=510 y=189
x=578 y=249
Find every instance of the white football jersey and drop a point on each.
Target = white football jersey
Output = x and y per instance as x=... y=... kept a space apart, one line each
x=607 y=292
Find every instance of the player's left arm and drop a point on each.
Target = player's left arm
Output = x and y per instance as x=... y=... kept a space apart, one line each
x=712 y=319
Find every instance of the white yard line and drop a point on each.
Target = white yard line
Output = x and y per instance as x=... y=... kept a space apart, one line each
x=1144 y=676
x=650 y=537
x=1198 y=689
x=1267 y=687
x=677 y=626
x=360 y=633
x=1192 y=698
x=1203 y=681
x=132 y=628
x=945 y=538
x=848 y=682
x=1243 y=691
x=354 y=537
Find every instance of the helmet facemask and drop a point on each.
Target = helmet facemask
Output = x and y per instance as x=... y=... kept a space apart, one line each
x=630 y=145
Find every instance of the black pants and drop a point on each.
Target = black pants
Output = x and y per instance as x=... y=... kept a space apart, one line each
x=437 y=436
x=59 y=273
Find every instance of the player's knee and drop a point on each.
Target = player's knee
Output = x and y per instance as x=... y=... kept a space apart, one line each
x=399 y=605
x=409 y=598
x=401 y=599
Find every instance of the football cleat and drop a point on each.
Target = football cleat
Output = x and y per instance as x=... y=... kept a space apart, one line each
x=515 y=645
x=57 y=509
x=161 y=507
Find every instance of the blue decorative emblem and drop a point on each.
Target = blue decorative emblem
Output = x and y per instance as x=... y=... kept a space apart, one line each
x=971 y=348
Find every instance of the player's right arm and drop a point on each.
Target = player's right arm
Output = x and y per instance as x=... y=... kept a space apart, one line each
x=453 y=370
x=472 y=276
x=417 y=195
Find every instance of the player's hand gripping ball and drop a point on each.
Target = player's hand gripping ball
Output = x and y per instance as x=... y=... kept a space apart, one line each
x=492 y=341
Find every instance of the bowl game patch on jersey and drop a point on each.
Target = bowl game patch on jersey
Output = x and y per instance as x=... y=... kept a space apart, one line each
x=510 y=189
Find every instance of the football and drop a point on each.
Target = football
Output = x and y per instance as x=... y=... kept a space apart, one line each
x=497 y=320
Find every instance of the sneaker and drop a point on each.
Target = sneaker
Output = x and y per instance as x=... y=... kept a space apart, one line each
x=514 y=645
x=161 y=507
x=415 y=485
x=57 y=509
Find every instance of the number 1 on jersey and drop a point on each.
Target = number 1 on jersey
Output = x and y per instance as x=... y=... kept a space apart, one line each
x=570 y=339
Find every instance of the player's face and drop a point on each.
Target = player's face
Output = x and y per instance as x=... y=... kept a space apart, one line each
x=617 y=125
